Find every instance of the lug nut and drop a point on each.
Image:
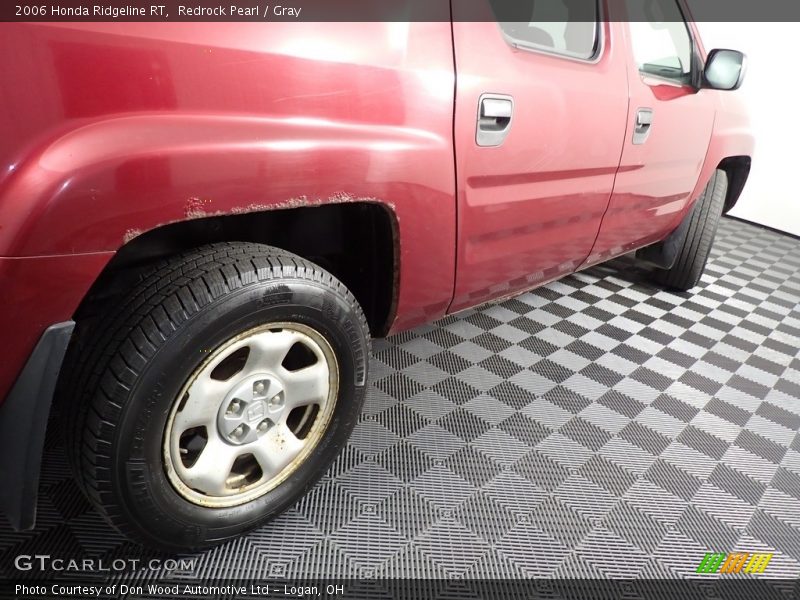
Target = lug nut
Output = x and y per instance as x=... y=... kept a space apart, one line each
x=238 y=431
x=234 y=407
x=264 y=425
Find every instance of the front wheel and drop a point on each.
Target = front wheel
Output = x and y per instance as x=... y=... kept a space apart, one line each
x=696 y=246
x=218 y=392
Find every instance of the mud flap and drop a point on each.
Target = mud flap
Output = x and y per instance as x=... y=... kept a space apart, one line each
x=23 y=423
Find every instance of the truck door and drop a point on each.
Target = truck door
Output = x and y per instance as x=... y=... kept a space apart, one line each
x=669 y=128
x=539 y=127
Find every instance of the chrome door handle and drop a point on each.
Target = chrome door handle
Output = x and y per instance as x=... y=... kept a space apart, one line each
x=644 y=119
x=494 y=119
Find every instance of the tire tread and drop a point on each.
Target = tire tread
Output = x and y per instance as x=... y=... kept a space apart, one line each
x=694 y=252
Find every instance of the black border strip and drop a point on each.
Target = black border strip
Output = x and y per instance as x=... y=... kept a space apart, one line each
x=703 y=587
x=374 y=10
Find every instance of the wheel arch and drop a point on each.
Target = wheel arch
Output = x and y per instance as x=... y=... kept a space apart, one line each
x=357 y=242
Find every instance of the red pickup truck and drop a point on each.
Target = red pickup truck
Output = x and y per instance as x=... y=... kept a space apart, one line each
x=202 y=226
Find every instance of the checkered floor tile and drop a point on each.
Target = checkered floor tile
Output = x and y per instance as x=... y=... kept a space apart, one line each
x=597 y=427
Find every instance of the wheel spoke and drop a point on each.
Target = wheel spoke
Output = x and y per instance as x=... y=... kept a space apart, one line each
x=212 y=467
x=276 y=450
x=268 y=350
x=205 y=395
x=306 y=386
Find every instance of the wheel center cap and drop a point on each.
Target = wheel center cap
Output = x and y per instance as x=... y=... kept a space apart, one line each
x=251 y=409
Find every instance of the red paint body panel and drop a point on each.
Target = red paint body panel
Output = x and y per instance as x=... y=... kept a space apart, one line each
x=37 y=292
x=109 y=130
x=654 y=185
x=531 y=208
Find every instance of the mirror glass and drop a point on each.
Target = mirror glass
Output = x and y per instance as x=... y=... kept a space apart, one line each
x=724 y=69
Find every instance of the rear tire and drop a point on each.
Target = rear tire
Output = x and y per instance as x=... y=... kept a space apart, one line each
x=696 y=246
x=234 y=359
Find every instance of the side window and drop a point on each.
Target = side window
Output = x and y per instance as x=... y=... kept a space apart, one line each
x=662 y=44
x=567 y=27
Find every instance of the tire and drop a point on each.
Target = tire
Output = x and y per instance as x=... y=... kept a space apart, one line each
x=696 y=246
x=230 y=336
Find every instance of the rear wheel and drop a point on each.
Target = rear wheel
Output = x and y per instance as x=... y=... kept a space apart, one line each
x=696 y=246
x=216 y=394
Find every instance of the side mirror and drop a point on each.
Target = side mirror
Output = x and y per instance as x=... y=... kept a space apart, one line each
x=724 y=70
